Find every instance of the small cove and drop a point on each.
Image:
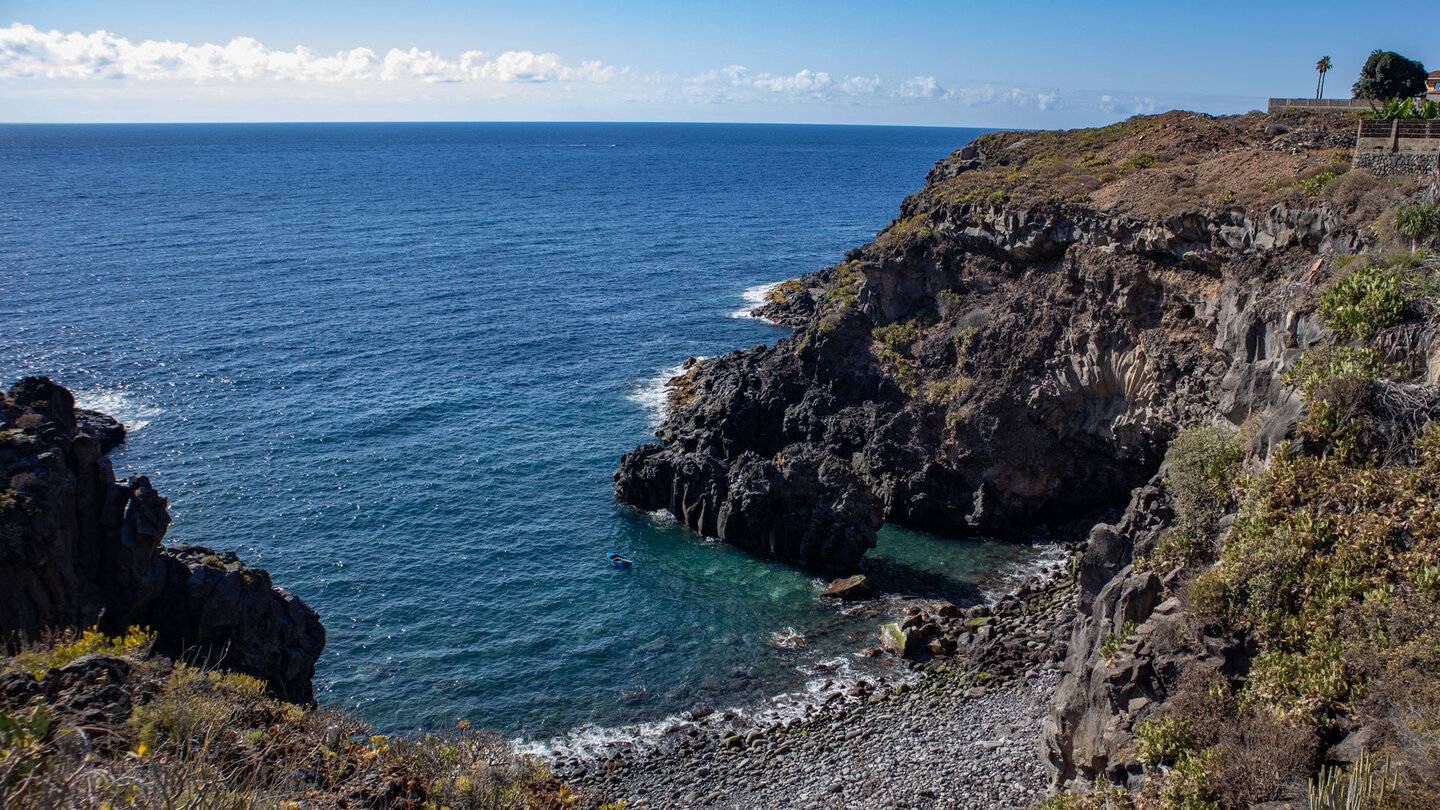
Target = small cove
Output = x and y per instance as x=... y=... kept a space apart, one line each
x=397 y=364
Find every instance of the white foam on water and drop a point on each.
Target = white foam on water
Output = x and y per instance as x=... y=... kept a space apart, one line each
x=131 y=411
x=1051 y=560
x=788 y=639
x=653 y=395
x=662 y=516
x=831 y=682
x=754 y=297
x=590 y=742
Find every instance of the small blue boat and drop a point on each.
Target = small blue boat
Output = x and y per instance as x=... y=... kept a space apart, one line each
x=619 y=560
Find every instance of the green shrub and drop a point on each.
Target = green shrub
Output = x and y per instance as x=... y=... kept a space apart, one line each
x=965 y=338
x=1315 y=186
x=942 y=391
x=1143 y=160
x=1323 y=364
x=898 y=336
x=1163 y=739
x=896 y=340
x=1305 y=684
x=1192 y=784
x=1204 y=467
x=1419 y=222
x=1337 y=382
x=1112 y=642
x=947 y=303
x=40 y=657
x=205 y=739
x=1427 y=448
x=1310 y=573
x=844 y=289
x=1364 y=302
x=910 y=229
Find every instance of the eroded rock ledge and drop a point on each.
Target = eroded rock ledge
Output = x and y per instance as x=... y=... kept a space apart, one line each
x=80 y=549
x=982 y=370
x=999 y=358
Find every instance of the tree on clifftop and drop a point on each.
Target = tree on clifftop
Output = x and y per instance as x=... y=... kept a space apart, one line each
x=1323 y=67
x=1389 y=75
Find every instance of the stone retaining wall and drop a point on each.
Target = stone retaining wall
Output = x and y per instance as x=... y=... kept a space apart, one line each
x=1277 y=104
x=1383 y=164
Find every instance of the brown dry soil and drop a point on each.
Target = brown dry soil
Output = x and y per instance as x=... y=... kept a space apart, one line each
x=1152 y=166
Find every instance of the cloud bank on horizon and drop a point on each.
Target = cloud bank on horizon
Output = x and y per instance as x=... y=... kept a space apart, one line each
x=105 y=64
x=27 y=52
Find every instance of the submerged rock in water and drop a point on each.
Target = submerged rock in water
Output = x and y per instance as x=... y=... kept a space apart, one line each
x=788 y=639
x=79 y=549
x=849 y=589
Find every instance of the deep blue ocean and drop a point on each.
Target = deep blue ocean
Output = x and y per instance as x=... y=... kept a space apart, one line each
x=396 y=365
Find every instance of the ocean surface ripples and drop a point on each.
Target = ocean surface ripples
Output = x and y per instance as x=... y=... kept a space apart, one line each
x=397 y=364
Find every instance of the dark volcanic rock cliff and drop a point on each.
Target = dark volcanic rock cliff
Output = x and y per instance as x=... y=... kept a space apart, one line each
x=1021 y=346
x=80 y=549
x=986 y=365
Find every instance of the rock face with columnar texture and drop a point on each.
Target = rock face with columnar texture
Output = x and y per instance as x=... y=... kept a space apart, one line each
x=1019 y=347
x=80 y=549
x=985 y=372
x=798 y=505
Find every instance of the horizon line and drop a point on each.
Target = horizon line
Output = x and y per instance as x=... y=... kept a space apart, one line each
x=507 y=121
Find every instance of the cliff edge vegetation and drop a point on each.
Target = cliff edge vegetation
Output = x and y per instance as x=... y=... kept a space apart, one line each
x=1214 y=338
x=140 y=675
x=1000 y=356
x=95 y=721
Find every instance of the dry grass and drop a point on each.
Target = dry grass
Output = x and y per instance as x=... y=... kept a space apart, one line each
x=1160 y=165
x=199 y=739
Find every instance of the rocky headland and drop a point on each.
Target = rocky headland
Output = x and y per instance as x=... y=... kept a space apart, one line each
x=81 y=550
x=1189 y=329
x=1204 y=351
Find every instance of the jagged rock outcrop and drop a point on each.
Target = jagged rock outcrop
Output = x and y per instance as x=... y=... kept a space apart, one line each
x=801 y=506
x=1021 y=345
x=80 y=549
x=999 y=368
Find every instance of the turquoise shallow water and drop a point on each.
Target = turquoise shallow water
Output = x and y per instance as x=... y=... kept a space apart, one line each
x=397 y=364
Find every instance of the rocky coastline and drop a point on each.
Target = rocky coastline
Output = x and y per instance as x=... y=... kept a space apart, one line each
x=1136 y=332
x=1028 y=343
x=978 y=684
x=81 y=550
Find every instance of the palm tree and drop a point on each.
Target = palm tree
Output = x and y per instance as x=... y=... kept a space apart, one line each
x=1323 y=66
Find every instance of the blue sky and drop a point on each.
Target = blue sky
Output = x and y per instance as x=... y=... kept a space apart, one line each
x=1018 y=64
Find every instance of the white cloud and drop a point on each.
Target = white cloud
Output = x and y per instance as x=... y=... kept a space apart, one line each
x=46 y=68
x=984 y=95
x=1136 y=105
x=922 y=87
x=738 y=83
x=26 y=52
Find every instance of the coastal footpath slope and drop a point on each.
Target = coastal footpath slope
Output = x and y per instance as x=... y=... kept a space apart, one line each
x=1201 y=326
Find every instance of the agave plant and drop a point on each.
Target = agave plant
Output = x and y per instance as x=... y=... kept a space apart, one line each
x=1419 y=222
